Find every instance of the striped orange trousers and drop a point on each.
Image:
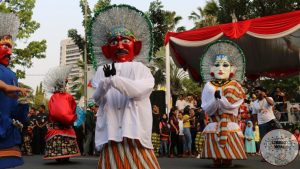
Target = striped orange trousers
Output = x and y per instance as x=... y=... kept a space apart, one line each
x=224 y=145
x=232 y=150
x=128 y=154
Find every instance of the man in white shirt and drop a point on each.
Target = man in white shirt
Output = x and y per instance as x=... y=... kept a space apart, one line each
x=263 y=107
x=180 y=103
x=124 y=118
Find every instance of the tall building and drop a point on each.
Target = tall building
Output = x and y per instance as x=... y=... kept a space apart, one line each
x=69 y=55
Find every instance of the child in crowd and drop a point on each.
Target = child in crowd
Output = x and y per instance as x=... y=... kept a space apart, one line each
x=256 y=137
x=187 y=148
x=164 y=135
x=249 y=139
x=181 y=135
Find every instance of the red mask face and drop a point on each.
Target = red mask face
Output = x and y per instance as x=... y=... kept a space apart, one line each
x=121 y=48
x=5 y=50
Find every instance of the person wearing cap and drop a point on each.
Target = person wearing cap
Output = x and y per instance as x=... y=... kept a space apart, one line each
x=12 y=114
x=89 y=127
x=222 y=66
x=122 y=35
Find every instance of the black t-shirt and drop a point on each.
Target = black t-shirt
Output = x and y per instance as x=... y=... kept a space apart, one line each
x=42 y=118
x=279 y=102
x=201 y=120
x=32 y=120
x=155 y=123
x=278 y=98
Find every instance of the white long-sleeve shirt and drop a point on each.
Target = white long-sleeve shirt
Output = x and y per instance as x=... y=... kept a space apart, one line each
x=124 y=104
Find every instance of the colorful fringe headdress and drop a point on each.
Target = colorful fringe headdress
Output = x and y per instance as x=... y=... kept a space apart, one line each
x=119 y=20
x=223 y=48
x=56 y=78
x=9 y=24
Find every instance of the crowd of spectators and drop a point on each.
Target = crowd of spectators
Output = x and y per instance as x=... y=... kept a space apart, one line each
x=176 y=134
x=182 y=134
x=34 y=131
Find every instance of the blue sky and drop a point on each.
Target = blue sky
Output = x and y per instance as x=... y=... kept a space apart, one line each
x=58 y=16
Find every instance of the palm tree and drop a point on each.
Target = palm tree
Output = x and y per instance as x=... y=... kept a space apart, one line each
x=177 y=75
x=197 y=17
x=172 y=19
x=206 y=16
x=211 y=8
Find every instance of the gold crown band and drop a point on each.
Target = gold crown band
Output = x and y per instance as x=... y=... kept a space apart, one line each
x=6 y=41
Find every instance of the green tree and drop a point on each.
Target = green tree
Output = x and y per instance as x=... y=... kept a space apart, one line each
x=289 y=85
x=34 y=49
x=101 y=4
x=172 y=20
x=160 y=28
x=80 y=41
x=206 y=16
x=191 y=86
x=39 y=97
x=230 y=10
x=269 y=7
x=163 y=21
x=177 y=75
x=247 y=9
x=196 y=17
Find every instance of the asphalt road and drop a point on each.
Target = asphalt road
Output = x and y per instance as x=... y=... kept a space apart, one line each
x=36 y=162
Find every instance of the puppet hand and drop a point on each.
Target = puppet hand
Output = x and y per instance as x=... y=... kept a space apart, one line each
x=24 y=91
x=106 y=69
x=113 y=69
x=217 y=94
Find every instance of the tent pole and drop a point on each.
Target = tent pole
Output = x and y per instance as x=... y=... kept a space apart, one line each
x=168 y=80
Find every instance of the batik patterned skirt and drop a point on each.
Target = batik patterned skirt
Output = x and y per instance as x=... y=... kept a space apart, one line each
x=155 y=138
x=128 y=154
x=60 y=144
x=199 y=141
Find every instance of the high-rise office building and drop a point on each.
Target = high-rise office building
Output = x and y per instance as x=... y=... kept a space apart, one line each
x=69 y=55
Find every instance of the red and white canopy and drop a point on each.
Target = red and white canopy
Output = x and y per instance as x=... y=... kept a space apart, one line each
x=271 y=45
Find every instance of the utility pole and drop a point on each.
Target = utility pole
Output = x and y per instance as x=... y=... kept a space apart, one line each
x=85 y=56
x=168 y=79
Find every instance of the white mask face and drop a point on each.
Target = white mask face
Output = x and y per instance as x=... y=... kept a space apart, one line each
x=221 y=68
